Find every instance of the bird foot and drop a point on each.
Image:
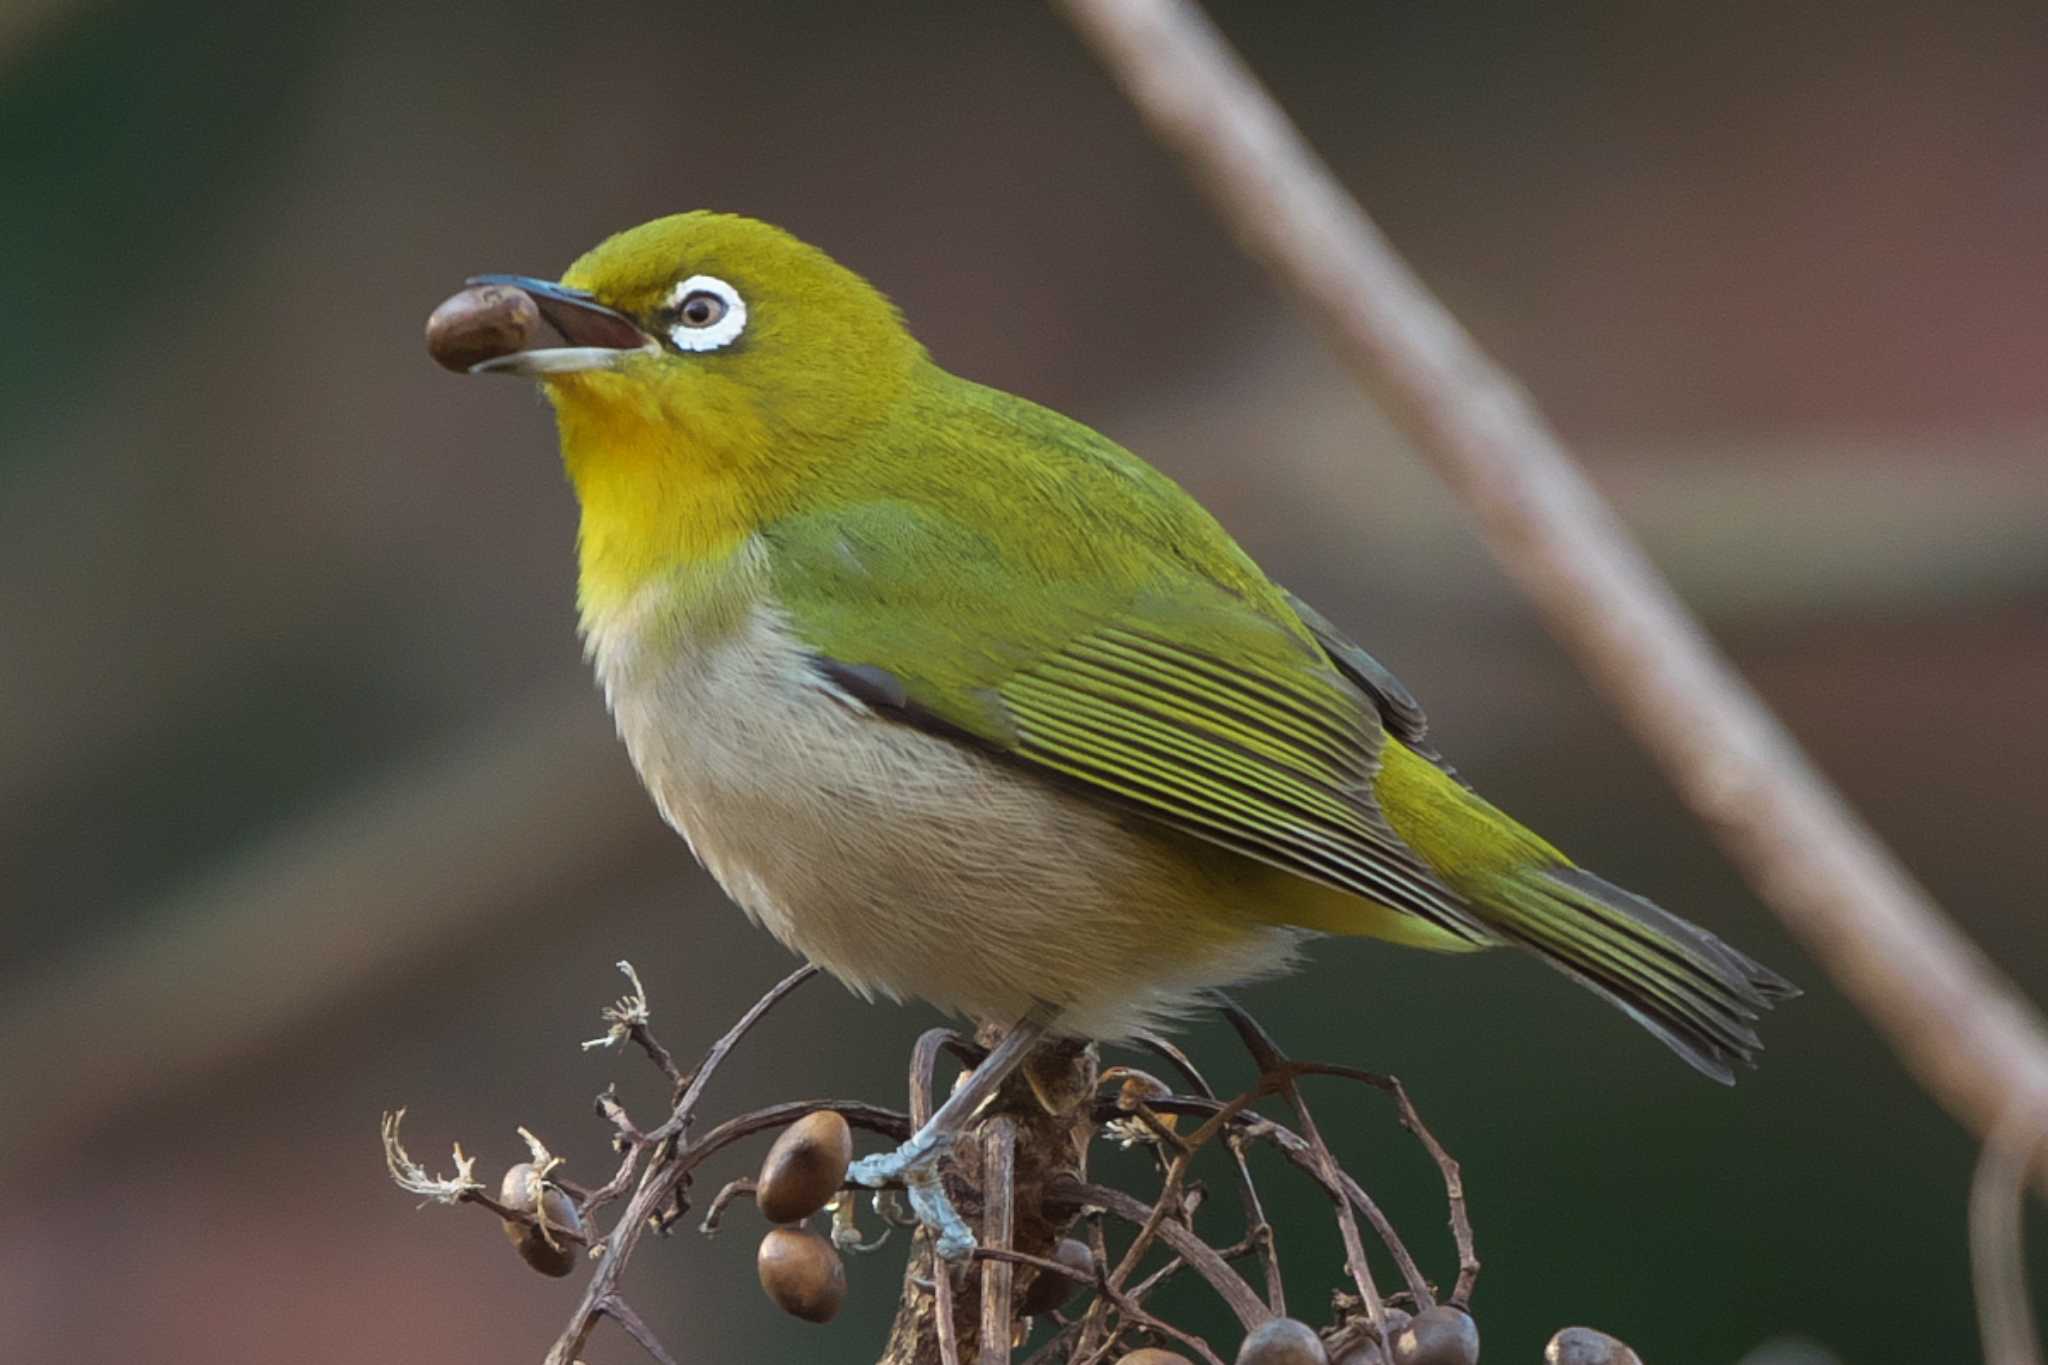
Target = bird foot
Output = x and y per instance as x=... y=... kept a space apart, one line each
x=916 y=1164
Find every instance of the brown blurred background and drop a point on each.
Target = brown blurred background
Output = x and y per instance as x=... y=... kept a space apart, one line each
x=308 y=809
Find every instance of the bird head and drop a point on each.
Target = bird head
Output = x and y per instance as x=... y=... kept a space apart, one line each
x=717 y=329
x=706 y=368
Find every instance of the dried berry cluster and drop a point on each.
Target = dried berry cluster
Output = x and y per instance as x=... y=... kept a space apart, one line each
x=1060 y=1258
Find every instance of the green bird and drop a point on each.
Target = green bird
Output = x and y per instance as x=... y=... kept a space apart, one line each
x=964 y=702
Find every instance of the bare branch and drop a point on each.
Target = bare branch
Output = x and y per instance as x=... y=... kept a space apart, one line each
x=942 y=1304
x=924 y=1061
x=1273 y=1066
x=1296 y=1149
x=998 y=1228
x=1257 y=1228
x=1961 y=1027
x=714 y=1213
x=1227 y=1283
x=617 y=1310
x=631 y=1019
x=693 y=1089
x=1019 y=1165
x=1453 y=1174
x=672 y=1163
x=2005 y=1313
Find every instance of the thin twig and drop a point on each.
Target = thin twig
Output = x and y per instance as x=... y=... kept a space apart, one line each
x=1228 y=1284
x=1446 y=1164
x=714 y=1213
x=1163 y=1207
x=671 y=1166
x=1048 y=1353
x=1257 y=1226
x=659 y=1164
x=1095 y=1320
x=631 y=1018
x=631 y=1143
x=869 y=1117
x=1043 y=1264
x=686 y=1102
x=942 y=1309
x=924 y=1062
x=1168 y=1209
x=617 y=1310
x=1272 y=1064
x=998 y=1228
x=1296 y=1149
x=1133 y=1312
x=2005 y=1311
x=1960 y=1025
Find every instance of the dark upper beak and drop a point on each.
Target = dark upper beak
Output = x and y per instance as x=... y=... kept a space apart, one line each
x=580 y=318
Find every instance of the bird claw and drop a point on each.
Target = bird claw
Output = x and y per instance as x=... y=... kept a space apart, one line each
x=916 y=1164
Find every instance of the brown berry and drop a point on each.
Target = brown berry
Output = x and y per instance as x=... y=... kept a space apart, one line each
x=1048 y=1290
x=1584 y=1346
x=1436 y=1336
x=802 y=1273
x=805 y=1167
x=1152 y=1355
x=481 y=323
x=556 y=1258
x=1283 y=1341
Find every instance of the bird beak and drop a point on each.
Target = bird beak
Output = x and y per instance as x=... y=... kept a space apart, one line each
x=595 y=337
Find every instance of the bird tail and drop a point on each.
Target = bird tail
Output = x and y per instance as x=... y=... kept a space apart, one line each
x=1674 y=978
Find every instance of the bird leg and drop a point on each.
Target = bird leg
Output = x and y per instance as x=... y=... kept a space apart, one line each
x=916 y=1162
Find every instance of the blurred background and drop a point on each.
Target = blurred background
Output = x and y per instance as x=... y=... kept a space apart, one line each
x=308 y=809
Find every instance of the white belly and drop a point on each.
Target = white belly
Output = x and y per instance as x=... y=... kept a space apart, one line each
x=912 y=866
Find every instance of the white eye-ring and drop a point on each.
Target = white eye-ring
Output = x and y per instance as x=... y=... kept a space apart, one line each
x=708 y=313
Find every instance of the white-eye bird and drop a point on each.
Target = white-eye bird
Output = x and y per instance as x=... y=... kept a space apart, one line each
x=966 y=703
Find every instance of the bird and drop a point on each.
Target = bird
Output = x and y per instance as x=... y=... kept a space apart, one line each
x=966 y=703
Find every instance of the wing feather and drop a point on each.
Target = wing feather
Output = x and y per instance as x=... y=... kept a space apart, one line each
x=1204 y=704
x=1270 y=765
x=1399 y=711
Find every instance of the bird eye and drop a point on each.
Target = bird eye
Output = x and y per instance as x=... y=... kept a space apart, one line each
x=708 y=313
x=702 y=309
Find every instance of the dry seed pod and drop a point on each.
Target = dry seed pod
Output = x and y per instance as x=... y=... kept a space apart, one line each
x=1436 y=1336
x=802 y=1273
x=1584 y=1346
x=1152 y=1355
x=1283 y=1341
x=1048 y=1291
x=516 y=1192
x=481 y=323
x=805 y=1167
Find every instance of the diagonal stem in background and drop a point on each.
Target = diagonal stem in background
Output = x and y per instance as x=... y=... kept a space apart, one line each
x=1960 y=1026
x=2005 y=1310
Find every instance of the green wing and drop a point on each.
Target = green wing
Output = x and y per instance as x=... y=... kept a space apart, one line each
x=1399 y=711
x=1207 y=707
